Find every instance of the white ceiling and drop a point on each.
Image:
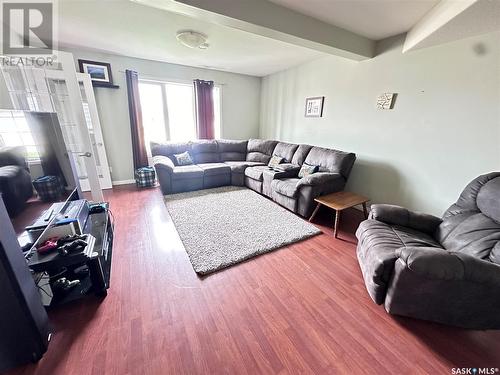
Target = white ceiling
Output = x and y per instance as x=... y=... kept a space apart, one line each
x=126 y=28
x=374 y=19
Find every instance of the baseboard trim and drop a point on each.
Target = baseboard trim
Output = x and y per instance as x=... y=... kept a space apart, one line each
x=123 y=182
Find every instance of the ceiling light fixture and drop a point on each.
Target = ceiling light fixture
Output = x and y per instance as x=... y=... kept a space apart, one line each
x=192 y=39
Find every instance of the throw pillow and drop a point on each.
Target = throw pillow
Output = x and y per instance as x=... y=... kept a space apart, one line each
x=274 y=161
x=307 y=169
x=184 y=158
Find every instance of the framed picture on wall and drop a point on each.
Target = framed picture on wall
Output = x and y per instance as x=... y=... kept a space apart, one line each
x=314 y=106
x=100 y=73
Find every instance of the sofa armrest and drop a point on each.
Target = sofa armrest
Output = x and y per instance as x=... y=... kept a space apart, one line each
x=436 y=263
x=15 y=155
x=320 y=178
x=397 y=215
x=162 y=162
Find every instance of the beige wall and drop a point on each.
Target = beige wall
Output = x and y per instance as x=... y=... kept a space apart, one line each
x=240 y=103
x=443 y=131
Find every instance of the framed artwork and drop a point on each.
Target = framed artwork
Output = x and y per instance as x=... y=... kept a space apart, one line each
x=314 y=106
x=100 y=73
x=385 y=100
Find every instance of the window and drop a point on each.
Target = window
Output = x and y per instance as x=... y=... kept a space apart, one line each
x=168 y=111
x=15 y=131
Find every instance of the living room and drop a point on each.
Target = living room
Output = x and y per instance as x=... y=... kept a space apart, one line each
x=271 y=186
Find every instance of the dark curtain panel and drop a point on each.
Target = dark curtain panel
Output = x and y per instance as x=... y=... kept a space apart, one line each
x=136 y=127
x=204 y=109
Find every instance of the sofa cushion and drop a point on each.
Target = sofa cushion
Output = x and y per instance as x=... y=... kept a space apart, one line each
x=286 y=186
x=240 y=166
x=256 y=172
x=285 y=151
x=232 y=156
x=488 y=201
x=260 y=150
x=187 y=171
x=230 y=150
x=331 y=160
x=169 y=149
x=468 y=226
x=203 y=146
x=211 y=169
x=205 y=151
x=307 y=169
x=377 y=245
x=183 y=158
x=300 y=154
x=275 y=161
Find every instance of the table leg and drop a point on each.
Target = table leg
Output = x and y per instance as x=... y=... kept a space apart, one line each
x=337 y=219
x=315 y=211
x=365 y=211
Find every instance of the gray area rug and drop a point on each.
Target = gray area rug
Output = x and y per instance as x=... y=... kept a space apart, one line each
x=224 y=226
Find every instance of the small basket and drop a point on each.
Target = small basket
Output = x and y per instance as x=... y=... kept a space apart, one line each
x=48 y=188
x=145 y=177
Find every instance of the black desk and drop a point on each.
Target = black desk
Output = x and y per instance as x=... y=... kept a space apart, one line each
x=100 y=226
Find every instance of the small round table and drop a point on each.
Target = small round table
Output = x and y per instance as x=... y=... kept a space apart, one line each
x=340 y=201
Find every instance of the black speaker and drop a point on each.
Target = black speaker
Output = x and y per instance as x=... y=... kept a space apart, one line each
x=24 y=325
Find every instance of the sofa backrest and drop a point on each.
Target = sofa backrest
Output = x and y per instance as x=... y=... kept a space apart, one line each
x=169 y=149
x=472 y=224
x=260 y=150
x=204 y=151
x=329 y=160
x=230 y=150
x=15 y=155
x=285 y=150
x=300 y=154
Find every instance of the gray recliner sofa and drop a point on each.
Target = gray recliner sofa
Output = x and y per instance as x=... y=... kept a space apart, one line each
x=445 y=269
x=244 y=163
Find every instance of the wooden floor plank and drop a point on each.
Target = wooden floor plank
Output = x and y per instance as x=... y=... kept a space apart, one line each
x=300 y=309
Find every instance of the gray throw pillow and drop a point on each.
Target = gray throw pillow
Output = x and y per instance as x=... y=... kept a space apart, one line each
x=184 y=158
x=274 y=161
x=307 y=169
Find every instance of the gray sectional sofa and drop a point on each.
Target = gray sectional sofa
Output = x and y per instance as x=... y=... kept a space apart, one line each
x=244 y=163
x=445 y=269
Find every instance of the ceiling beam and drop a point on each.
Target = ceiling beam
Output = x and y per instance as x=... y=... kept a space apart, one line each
x=271 y=20
x=438 y=18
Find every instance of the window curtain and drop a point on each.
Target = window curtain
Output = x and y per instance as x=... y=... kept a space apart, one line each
x=136 y=126
x=204 y=109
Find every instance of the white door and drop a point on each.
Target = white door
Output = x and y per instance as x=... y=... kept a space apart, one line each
x=59 y=90
x=94 y=127
x=57 y=84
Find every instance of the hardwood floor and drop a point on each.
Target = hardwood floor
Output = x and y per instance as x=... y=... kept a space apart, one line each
x=301 y=309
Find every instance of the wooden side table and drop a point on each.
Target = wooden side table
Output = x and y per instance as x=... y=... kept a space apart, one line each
x=340 y=201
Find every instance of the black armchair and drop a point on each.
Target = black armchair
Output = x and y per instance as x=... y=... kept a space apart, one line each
x=15 y=179
x=444 y=270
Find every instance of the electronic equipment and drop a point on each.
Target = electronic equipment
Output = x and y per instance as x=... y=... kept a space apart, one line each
x=74 y=212
x=24 y=324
